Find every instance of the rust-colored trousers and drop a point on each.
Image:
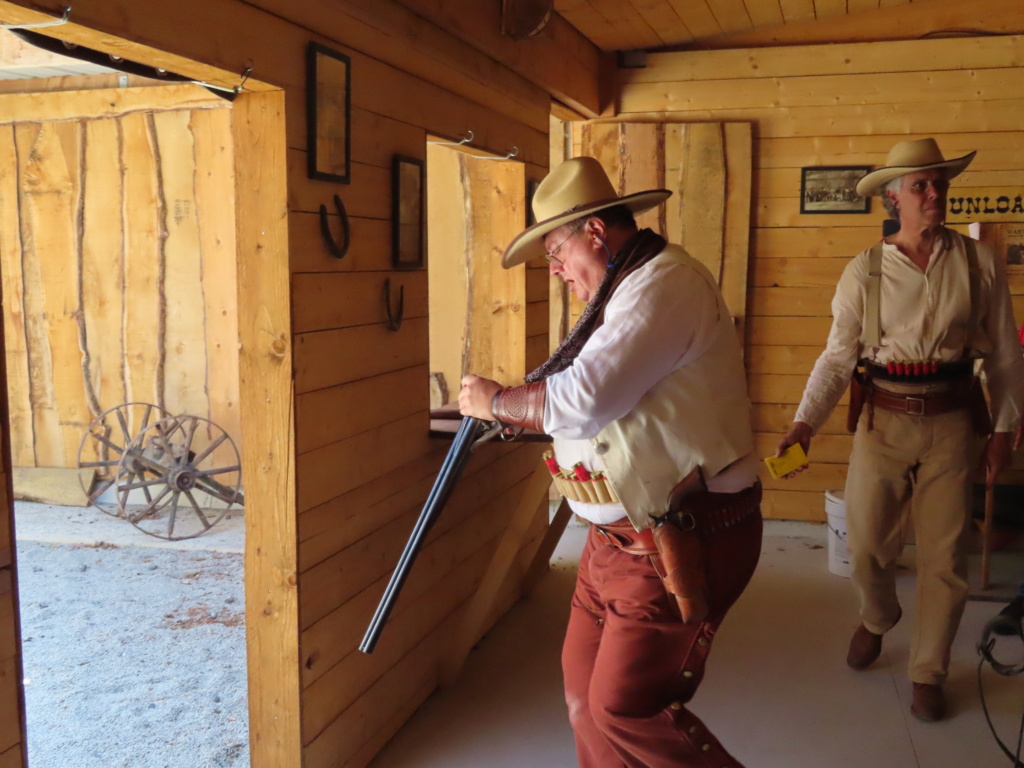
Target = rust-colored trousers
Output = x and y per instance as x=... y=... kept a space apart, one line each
x=631 y=665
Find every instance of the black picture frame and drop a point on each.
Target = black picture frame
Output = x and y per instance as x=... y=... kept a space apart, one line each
x=408 y=235
x=328 y=114
x=833 y=189
x=531 y=190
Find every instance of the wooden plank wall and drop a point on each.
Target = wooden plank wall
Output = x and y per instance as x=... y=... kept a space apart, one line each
x=363 y=463
x=831 y=105
x=120 y=272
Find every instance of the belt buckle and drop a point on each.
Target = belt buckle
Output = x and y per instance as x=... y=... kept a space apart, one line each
x=918 y=403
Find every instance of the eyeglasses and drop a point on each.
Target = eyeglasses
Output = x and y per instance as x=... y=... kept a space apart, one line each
x=551 y=256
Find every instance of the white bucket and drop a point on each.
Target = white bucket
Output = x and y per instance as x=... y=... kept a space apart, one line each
x=835 y=511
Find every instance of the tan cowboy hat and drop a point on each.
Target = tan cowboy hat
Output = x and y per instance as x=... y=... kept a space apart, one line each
x=575 y=188
x=907 y=157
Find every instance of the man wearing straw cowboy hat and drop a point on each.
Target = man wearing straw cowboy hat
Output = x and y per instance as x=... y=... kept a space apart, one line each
x=914 y=313
x=647 y=389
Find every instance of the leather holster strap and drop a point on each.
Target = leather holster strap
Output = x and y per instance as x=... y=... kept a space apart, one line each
x=621 y=534
x=521 y=406
x=931 y=404
x=710 y=514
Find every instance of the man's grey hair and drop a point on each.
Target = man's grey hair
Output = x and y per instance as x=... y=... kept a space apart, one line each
x=894 y=187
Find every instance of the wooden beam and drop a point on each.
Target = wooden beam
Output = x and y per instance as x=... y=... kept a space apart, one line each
x=115 y=102
x=901 y=22
x=268 y=451
x=395 y=35
x=560 y=59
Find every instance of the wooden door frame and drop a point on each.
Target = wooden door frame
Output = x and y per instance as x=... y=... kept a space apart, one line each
x=266 y=404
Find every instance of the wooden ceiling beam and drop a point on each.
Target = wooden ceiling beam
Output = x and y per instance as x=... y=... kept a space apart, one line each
x=560 y=59
x=901 y=22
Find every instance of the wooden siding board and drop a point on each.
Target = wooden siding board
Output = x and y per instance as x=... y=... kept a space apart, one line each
x=15 y=339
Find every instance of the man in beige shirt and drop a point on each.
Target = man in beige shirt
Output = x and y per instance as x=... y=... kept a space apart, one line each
x=916 y=310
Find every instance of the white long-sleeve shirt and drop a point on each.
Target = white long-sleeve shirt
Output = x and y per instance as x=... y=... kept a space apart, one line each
x=664 y=316
x=924 y=316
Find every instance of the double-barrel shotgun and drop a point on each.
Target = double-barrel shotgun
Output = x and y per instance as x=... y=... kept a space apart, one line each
x=451 y=470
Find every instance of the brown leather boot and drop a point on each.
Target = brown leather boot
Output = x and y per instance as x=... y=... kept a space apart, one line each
x=865 y=646
x=929 y=702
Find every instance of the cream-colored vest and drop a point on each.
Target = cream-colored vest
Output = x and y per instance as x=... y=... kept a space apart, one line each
x=697 y=415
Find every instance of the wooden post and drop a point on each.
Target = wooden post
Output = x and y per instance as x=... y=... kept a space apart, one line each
x=267 y=403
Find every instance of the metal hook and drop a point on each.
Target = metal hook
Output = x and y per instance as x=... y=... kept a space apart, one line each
x=467 y=140
x=55 y=23
x=394 y=318
x=227 y=88
x=335 y=250
x=513 y=153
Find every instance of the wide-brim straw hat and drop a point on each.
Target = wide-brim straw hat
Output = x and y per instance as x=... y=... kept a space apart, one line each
x=908 y=157
x=575 y=188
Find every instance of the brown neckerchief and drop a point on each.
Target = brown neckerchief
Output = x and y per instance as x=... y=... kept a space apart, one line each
x=635 y=252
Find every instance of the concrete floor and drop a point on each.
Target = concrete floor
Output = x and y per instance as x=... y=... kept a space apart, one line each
x=777 y=691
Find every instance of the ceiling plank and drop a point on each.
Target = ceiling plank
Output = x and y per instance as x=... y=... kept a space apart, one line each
x=731 y=14
x=797 y=10
x=581 y=15
x=664 y=20
x=902 y=22
x=697 y=16
x=860 y=6
x=766 y=13
x=936 y=54
x=633 y=31
x=824 y=9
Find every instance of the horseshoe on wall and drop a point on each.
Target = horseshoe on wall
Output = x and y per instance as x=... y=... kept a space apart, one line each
x=394 y=318
x=337 y=251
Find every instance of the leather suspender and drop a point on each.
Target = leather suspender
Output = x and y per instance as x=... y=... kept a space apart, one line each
x=873 y=300
x=974 y=275
x=873 y=297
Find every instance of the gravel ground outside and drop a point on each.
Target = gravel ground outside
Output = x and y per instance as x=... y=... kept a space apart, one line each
x=134 y=648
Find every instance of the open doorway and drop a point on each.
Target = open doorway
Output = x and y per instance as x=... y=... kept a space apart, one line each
x=120 y=330
x=476 y=204
x=123 y=262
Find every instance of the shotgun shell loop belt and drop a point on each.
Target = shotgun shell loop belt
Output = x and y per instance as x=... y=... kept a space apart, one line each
x=578 y=484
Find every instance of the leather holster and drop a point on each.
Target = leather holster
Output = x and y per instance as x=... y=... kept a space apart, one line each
x=681 y=551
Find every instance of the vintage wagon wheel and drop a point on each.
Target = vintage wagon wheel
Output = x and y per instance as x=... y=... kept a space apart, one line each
x=185 y=492
x=106 y=439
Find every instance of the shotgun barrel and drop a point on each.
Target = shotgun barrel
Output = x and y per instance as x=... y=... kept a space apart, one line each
x=447 y=477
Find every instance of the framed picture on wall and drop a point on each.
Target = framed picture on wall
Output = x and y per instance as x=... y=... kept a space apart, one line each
x=407 y=219
x=833 y=189
x=328 y=113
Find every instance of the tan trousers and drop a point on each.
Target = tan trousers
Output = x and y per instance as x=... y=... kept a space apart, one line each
x=926 y=463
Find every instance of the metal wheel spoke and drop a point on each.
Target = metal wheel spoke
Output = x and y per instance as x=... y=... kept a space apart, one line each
x=219 y=470
x=143 y=484
x=210 y=449
x=101 y=490
x=191 y=437
x=108 y=442
x=149 y=509
x=198 y=511
x=173 y=514
x=215 y=489
x=97 y=464
x=124 y=426
x=145 y=417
